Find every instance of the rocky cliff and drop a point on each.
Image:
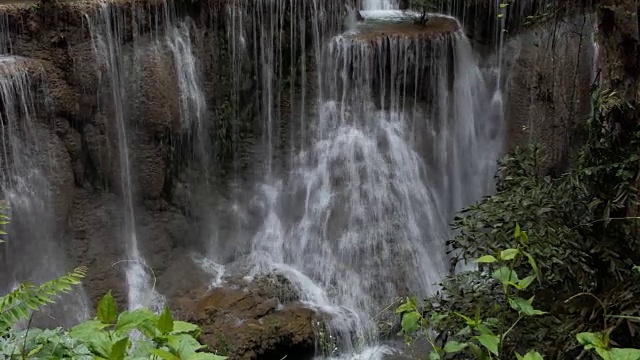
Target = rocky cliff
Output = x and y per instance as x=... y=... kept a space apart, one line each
x=255 y=64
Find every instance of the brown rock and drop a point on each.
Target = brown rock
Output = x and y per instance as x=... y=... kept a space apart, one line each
x=548 y=88
x=73 y=141
x=150 y=168
x=102 y=147
x=243 y=322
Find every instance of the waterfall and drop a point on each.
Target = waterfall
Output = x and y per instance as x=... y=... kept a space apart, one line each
x=405 y=132
x=193 y=104
x=379 y=4
x=32 y=169
x=107 y=30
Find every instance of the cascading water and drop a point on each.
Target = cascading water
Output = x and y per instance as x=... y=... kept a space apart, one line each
x=193 y=105
x=107 y=30
x=379 y=4
x=34 y=252
x=404 y=134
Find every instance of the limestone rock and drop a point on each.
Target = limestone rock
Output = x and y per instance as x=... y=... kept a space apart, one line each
x=161 y=102
x=102 y=148
x=150 y=168
x=73 y=141
x=250 y=322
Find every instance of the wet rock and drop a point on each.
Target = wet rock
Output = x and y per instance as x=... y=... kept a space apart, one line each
x=95 y=224
x=549 y=79
x=247 y=319
x=102 y=148
x=149 y=167
x=161 y=102
x=73 y=142
x=55 y=161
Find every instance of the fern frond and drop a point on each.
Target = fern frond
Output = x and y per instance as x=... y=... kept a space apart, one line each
x=19 y=303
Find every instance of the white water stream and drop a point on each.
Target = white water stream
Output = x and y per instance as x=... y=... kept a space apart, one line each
x=362 y=214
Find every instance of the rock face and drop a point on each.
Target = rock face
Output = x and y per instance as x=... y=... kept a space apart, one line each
x=76 y=125
x=68 y=52
x=549 y=76
x=253 y=320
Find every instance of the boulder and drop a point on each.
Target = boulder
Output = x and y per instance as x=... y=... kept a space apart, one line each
x=258 y=319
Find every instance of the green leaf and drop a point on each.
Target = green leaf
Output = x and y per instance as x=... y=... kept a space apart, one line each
x=107 y=309
x=183 y=345
x=603 y=353
x=184 y=327
x=518 y=232
x=476 y=351
x=524 y=283
x=119 y=349
x=508 y=254
x=531 y=355
x=165 y=322
x=205 y=356
x=506 y=275
x=149 y=328
x=86 y=331
x=636 y=269
x=523 y=306
x=454 y=346
x=591 y=340
x=436 y=318
x=101 y=344
x=408 y=306
x=464 y=331
x=165 y=355
x=486 y=259
x=433 y=355
x=624 y=354
x=489 y=341
x=35 y=350
x=130 y=320
x=410 y=322
x=532 y=263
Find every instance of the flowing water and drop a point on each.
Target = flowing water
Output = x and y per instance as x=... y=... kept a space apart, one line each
x=379 y=4
x=34 y=251
x=354 y=181
x=108 y=28
x=403 y=134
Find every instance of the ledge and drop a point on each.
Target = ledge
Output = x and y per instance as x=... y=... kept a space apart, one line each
x=436 y=27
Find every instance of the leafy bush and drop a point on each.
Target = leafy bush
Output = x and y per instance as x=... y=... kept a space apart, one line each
x=582 y=231
x=138 y=334
x=481 y=337
x=18 y=304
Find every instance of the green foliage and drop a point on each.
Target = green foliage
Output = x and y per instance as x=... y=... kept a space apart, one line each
x=600 y=343
x=549 y=208
x=4 y=219
x=19 y=303
x=111 y=335
x=475 y=336
x=610 y=156
x=576 y=262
